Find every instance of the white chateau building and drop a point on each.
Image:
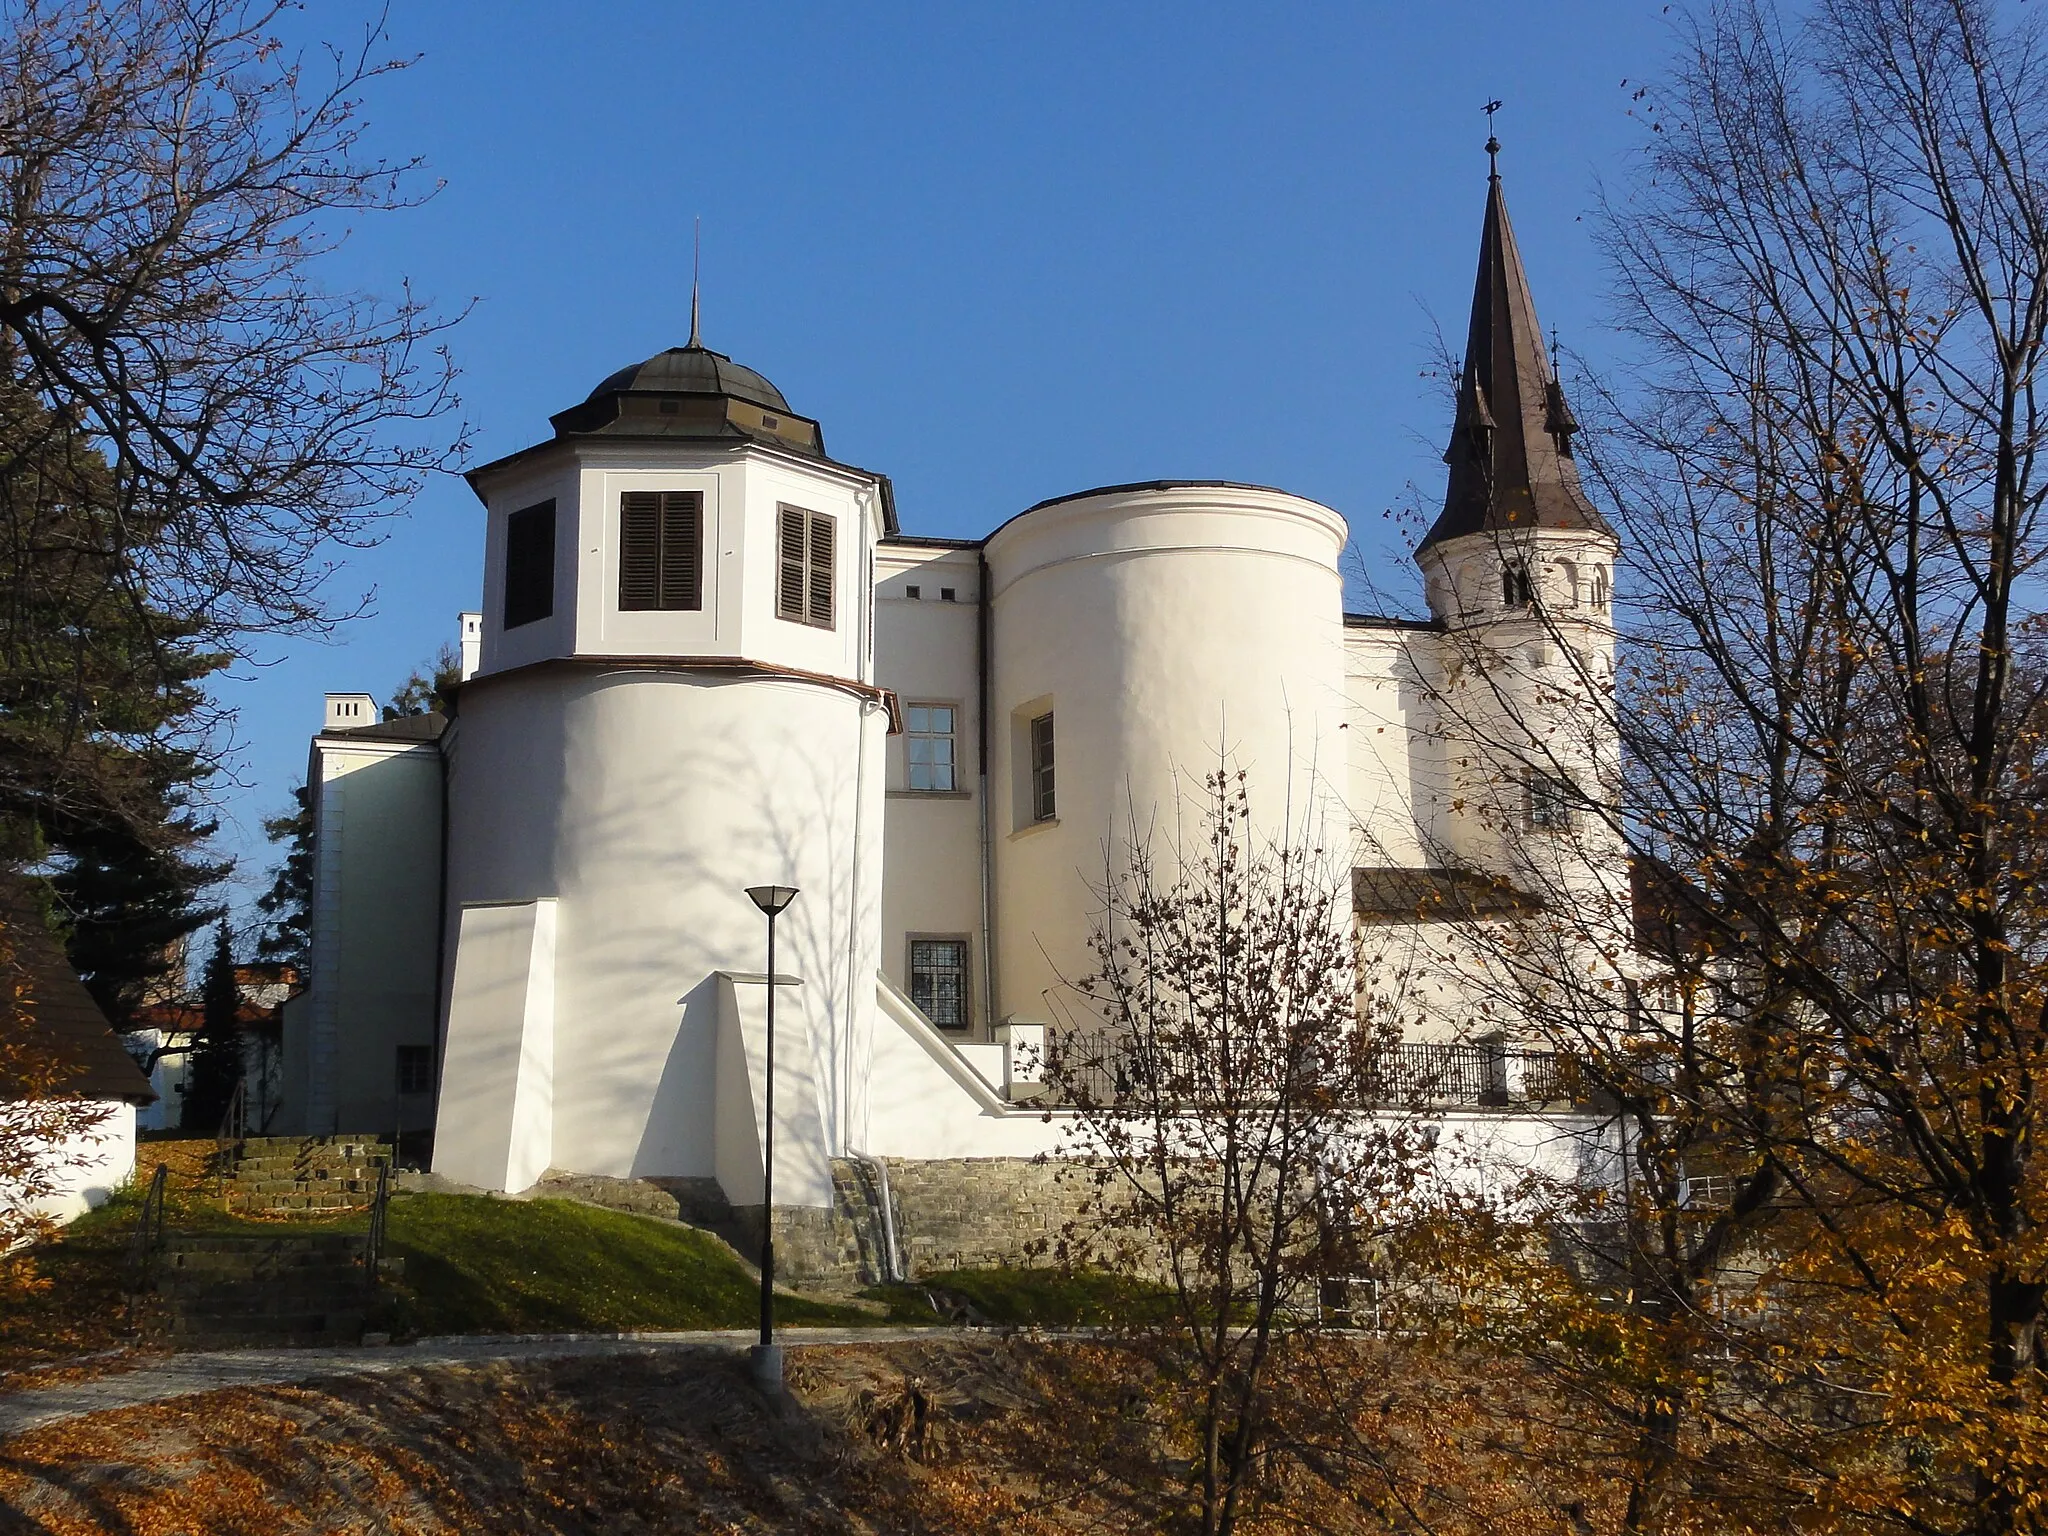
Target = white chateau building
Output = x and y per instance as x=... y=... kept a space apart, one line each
x=710 y=658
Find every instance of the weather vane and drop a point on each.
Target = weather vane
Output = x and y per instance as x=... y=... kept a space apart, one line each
x=1492 y=143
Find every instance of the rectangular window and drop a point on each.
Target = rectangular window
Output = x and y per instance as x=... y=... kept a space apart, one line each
x=804 y=564
x=415 y=1069
x=529 y=565
x=1550 y=801
x=928 y=740
x=938 y=980
x=661 y=550
x=1041 y=768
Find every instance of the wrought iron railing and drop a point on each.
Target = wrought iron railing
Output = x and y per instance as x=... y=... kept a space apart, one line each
x=373 y=1251
x=148 y=1239
x=1105 y=1069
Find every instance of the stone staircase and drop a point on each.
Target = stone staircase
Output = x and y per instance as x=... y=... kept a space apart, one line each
x=305 y=1174
x=304 y=1288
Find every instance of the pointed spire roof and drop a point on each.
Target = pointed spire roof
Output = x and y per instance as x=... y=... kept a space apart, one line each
x=1510 y=452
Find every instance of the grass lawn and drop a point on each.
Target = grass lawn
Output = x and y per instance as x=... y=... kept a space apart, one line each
x=476 y=1265
x=1029 y=1297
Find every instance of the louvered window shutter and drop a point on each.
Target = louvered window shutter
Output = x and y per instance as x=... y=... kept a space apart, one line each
x=789 y=583
x=682 y=546
x=639 y=549
x=821 y=570
x=661 y=550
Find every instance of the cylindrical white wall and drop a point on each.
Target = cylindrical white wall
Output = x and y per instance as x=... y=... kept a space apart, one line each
x=1170 y=630
x=646 y=800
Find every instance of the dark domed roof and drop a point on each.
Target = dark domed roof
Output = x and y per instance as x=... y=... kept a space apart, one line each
x=693 y=370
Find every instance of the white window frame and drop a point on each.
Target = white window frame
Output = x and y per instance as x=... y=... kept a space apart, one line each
x=912 y=735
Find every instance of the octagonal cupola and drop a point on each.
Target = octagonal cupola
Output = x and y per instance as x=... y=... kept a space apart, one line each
x=690 y=392
x=681 y=514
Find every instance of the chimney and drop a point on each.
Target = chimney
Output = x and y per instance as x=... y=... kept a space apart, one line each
x=347 y=711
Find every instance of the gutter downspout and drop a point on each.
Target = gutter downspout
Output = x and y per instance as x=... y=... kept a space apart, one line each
x=893 y=1269
x=864 y=644
x=984 y=619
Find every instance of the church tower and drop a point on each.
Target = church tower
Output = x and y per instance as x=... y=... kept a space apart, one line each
x=1519 y=571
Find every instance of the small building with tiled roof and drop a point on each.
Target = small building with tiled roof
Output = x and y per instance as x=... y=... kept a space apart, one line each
x=55 y=1043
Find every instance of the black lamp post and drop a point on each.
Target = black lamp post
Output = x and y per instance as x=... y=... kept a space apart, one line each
x=767 y=1356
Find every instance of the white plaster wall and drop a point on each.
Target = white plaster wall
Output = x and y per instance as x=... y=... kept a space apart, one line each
x=90 y=1165
x=803 y=1169
x=546 y=475
x=1390 y=794
x=375 y=936
x=1168 y=630
x=495 y=1126
x=646 y=801
x=925 y=654
x=928 y=1101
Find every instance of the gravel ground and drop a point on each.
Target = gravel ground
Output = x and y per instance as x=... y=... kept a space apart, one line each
x=184 y=1375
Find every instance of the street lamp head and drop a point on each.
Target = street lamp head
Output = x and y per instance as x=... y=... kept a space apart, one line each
x=772 y=898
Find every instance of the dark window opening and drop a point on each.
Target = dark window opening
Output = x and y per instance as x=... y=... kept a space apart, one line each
x=938 y=980
x=1550 y=802
x=529 y=565
x=946 y=594
x=1515 y=590
x=415 y=1069
x=913 y=591
x=1041 y=768
x=661 y=550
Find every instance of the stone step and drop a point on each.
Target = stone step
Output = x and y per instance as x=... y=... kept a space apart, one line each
x=230 y=1301
x=214 y=1331
x=185 y=1287
x=278 y=1144
x=260 y=1266
x=265 y=1242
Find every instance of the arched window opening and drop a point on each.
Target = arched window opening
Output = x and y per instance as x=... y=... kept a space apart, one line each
x=1515 y=591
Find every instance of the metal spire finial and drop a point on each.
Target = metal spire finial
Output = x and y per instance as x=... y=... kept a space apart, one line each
x=1492 y=143
x=696 y=272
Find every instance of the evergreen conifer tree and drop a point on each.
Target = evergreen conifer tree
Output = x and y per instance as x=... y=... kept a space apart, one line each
x=215 y=1065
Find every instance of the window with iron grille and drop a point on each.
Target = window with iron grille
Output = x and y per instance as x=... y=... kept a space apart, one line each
x=938 y=980
x=804 y=563
x=529 y=565
x=661 y=550
x=415 y=1069
x=928 y=742
x=1550 y=801
x=1041 y=768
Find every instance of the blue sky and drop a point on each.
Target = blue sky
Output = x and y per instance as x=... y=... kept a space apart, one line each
x=1001 y=252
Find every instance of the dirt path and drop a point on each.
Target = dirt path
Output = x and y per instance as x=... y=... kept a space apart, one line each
x=184 y=1375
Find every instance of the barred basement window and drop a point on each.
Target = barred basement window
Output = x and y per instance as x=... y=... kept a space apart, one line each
x=1041 y=769
x=928 y=742
x=529 y=565
x=661 y=550
x=804 y=563
x=415 y=1069
x=938 y=980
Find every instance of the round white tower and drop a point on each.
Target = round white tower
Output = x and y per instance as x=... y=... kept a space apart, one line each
x=675 y=701
x=1144 y=637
